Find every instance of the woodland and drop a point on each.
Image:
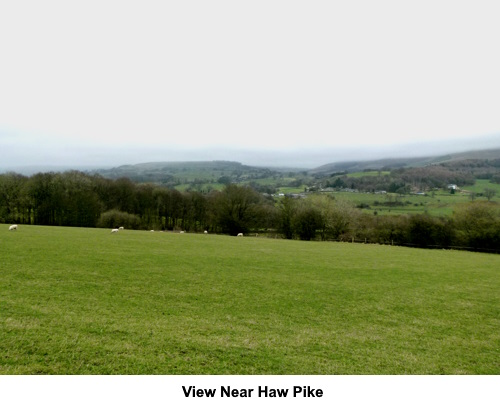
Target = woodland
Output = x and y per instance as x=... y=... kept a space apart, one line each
x=80 y=199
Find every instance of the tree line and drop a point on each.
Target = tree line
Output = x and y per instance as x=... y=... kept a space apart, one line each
x=89 y=200
x=75 y=198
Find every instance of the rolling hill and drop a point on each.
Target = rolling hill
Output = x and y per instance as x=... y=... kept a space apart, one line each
x=197 y=172
x=209 y=175
x=159 y=171
x=394 y=163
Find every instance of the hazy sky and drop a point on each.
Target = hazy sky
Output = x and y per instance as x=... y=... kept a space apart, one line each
x=115 y=82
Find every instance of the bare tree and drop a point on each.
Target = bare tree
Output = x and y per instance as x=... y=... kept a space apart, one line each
x=489 y=193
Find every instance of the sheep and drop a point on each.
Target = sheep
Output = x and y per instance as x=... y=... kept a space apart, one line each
x=13 y=228
x=181 y=232
x=206 y=232
x=115 y=230
x=240 y=234
x=121 y=228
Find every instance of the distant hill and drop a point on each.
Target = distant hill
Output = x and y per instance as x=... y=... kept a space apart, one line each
x=153 y=168
x=28 y=170
x=206 y=175
x=197 y=172
x=395 y=163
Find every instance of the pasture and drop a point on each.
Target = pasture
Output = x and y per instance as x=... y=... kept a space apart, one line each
x=371 y=173
x=85 y=301
x=482 y=185
x=440 y=203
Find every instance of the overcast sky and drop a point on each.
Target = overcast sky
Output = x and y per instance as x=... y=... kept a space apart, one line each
x=288 y=82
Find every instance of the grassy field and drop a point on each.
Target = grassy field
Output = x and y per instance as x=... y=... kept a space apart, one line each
x=84 y=301
x=481 y=185
x=441 y=203
x=372 y=173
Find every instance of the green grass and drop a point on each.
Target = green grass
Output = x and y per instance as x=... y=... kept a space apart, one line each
x=292 y=190
x=373 y=173
x=481 y=185
x=205 y=187
x=84 y=301
x=441 y=203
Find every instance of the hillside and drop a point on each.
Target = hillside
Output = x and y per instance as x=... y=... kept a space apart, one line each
x=176 y=173
x=395 y=163
x=164 y=172
x=419 y=173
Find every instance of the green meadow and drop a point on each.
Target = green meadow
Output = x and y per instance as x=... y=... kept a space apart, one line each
x=85 y=301
x=371 y=173
x=439 y=203
x=481 y=185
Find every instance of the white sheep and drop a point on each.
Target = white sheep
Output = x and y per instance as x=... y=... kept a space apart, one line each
x=13 y=228
x=206 y=232
x=114 y=230
x=121 y=228
x=181 y=232
x=240 y=234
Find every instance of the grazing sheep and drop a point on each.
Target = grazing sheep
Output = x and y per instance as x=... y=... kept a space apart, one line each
x=181 y=232
x=121 y=228
x=205 y=232
x=240 y=234
x=152 y=230
x=114 y=230
x=13 y=228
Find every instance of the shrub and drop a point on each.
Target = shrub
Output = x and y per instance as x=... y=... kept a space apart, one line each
x=306 y=222
x=116 y=218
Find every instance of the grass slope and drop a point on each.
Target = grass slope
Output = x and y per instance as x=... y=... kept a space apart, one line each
x=84 y=301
